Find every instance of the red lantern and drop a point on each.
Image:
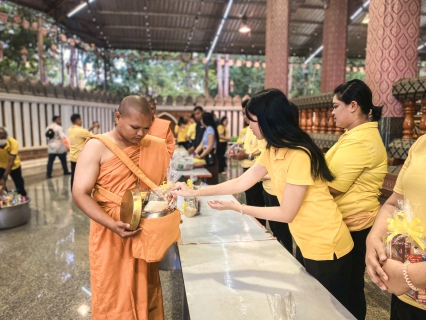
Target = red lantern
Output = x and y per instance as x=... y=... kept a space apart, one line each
x=3 y=17
x=230 y=63
x=17 y=18
x=25 y=24
x=222 y=62
x=264 y=65
x=160 y=58
x=24 y=53
x=239 y=63
x=257 y=64
x=249 y=64
x=348 y=69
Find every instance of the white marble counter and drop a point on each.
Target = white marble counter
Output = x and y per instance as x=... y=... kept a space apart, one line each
x=231 y=281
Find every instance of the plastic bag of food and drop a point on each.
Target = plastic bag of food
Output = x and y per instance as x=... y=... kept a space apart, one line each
x=160 y=199
x=282 y=306
x=232 y=149
x=183 y=163
x=192 y=205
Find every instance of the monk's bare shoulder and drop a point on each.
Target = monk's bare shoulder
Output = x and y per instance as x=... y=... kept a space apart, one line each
x=95 y=151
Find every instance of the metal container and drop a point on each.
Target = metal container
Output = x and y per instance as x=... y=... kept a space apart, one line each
x=131 y=210
x=13 y=216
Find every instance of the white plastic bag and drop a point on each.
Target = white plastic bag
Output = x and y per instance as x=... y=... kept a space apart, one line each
x=282 y=306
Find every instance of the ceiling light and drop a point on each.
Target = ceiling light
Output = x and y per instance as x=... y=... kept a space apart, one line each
x=78 y=8
x=244 y=28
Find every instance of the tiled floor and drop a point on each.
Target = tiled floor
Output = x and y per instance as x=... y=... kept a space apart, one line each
x=45 y=268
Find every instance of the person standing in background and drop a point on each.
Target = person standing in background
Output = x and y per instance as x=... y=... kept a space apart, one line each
x=10 y=164
x=190 y=133
x=250 y=150
x=181 y=129
x=199 y=129
x=161 y=128
x=57 y=146
x=223 y=131
x=78 y=136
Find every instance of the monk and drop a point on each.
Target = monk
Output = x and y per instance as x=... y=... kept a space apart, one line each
x=161 y=128
x=122 y=286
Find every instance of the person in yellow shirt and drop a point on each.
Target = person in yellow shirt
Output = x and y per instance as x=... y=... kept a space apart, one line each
x=190 y=133
x=358 y=161
x=299 y=173
x=250 y=150
x=181 y=129
x=386 y=273
x=10 y=164
x=223 y=131
x=78 y=137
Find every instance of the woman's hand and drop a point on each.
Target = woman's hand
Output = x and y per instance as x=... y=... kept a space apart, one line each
x=374 y=258
x=396 y=283
x=224 y=205
x=197 y=156
x=182 y=189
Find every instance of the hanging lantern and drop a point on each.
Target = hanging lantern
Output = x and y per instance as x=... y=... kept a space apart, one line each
x=317 y=66
x=24 y=53
x=264 y=65
x=17 y=19
x=72 y=42
x=131 y=56
x=355 y=69
x=239 y=63
x=34 y=26
x=249 y=64
x=122 y=55
x=348 y=69
x=53 y=47
x=304 y=66
x=230 y=63
x=44 y=31
x=63 y=38
x=256 y=64
x=3 y=17
x=222 y=62
x=25 y=24
x=361 y=69
x=1 y=51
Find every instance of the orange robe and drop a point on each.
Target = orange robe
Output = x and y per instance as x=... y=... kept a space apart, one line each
x=124 y=287
x=161 y=129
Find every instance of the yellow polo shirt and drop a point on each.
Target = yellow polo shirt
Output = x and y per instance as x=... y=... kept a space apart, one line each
x=250 y=146
x=318 y=228
x=181 y=133
x=268 y=186
x=411 y=183
x=223 y=131
x=10 y=149
x=358 y=160
x=77 y=136
x=242 y=135
x=190 y=133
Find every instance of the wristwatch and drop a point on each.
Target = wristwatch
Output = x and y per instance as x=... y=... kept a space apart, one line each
x=250 y=156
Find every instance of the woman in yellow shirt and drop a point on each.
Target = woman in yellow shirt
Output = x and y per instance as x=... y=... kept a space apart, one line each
x=223 y=131
x=181 y=132
x=389 y=274
x=358 y=161
x=299 y=173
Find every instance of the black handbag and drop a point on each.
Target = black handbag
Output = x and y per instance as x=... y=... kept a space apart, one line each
x=211 y=158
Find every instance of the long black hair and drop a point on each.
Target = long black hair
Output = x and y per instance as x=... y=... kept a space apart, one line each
x=279 y=127
x=208 y=121
x=357 y=90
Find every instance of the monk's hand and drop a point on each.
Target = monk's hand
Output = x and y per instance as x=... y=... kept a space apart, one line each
x=122 y=230
x=374 y=259
x=182 y=189
x=224 y=205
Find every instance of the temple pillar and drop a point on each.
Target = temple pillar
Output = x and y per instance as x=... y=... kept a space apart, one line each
x=392 y=40
x=277 y=49
x=335 y=42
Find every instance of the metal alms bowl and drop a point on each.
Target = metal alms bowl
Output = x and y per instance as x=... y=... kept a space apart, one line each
x=131 y=207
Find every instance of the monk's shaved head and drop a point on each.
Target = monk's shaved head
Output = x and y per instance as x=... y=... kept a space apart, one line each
x=136 y=103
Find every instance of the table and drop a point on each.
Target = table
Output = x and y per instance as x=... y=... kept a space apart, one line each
x=229 y=265
x=199 y=172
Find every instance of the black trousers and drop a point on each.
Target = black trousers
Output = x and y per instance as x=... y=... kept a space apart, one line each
x=254 y=197
x=334 y=275
x=183 y=144
x=73 y=164
x=16 y=176
x=280 y=229
x=221 y=149
x=357 y=305
x=403 y=311
x=52 y=157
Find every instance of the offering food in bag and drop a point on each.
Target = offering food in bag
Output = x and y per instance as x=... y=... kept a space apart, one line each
x=406 y=241
x=232 y=149
x=160 y=199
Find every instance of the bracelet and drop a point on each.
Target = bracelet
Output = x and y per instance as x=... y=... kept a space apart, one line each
x=407 y=279
x=242 y=205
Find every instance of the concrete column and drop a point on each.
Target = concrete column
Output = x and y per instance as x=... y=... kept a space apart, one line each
x=335 y=36
x=392 y=40
x=277 y=32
